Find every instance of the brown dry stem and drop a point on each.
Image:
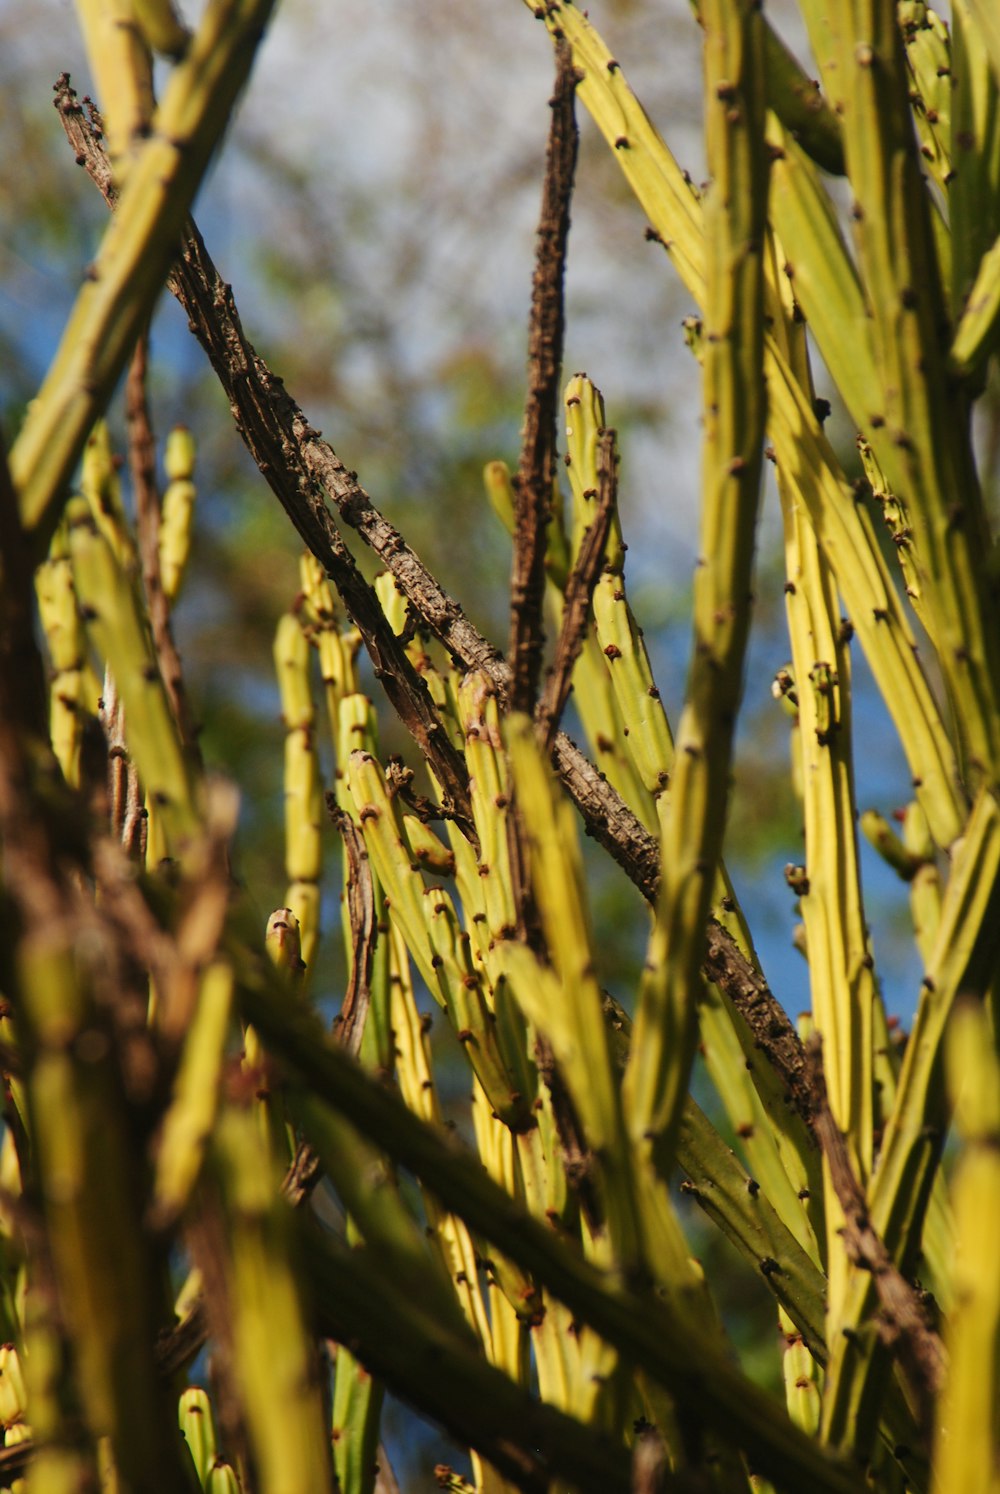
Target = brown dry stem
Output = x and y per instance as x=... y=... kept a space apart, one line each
x=349 y=1024
x=142 y=467
x=301 y=467
x=903 y=1323
x=579 y=595
x=536 y=472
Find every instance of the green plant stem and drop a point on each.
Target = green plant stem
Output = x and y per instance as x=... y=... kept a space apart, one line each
x=672 y=205
x=397 y=1337
x=734 y=404
x=911 y=1148
x=921 y=430
x=700 y=1379
x=135 y=255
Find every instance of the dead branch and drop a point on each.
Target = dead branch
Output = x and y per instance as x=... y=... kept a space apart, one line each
x=579 y=594
x=536 y=473
x=349 y=1024
x=301 y=467
x=276 y=435
x=903 y=1323
x=142 y=466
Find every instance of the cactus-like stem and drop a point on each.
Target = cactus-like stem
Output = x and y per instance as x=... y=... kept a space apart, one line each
x=356 y=1416
x=363 y=1179
x=720 y=1186
x=273 y=1359
x=448 y=1235
x=162 y=28
x=486 y=884
x=734 y=402
x=490 y=795
x=840 y=963
x=651 y=170
x=872 y=603
x=779 y=1150
x=122 y=69
x=894 y=512
x=134 y=257
x=974 y=195
x=974 y=191
x=84 y=1161
x=337 y=650
x=117 y=628
x=74 y=689
x=977 y=330
x=53 y=1466
x=452 y=1381
x=988 y=27
x=773 y=1139
x=178 y=511
x=920 y=430
x=965 y=1434
x=824 y=280
x=222 y=1479
x=595 y=700
x=197 y=1424
x=515 y=1168
x=637 y=1326
x=565 y=1002
x=925 y=889
x=918 y=1346
x=187 y=1124
x=802 y=1387
x=356 y=730
x=674 y=210
x=911 y=1146
x=439 y=946
x=649 y=741
x=13 y=1390
x=964 y=934
x=930 y=66
x=883 y=838
x=799 y=103
x=303 y=788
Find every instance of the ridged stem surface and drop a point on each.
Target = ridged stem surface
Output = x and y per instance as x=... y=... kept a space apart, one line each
x=734 y=416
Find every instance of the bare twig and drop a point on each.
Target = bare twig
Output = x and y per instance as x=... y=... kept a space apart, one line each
x=349 y=1024
x=536 y=471
x=903 y=1324
x=536 y=476
x=176 y=1347
x=126 y=811
x=578 y=596
x=727 y=967
x=399 y=781
x=577 y=1157
x=304 y=1172
x=277 y=436
x=142 y=465
x=309 y=467
x=14 y=1461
